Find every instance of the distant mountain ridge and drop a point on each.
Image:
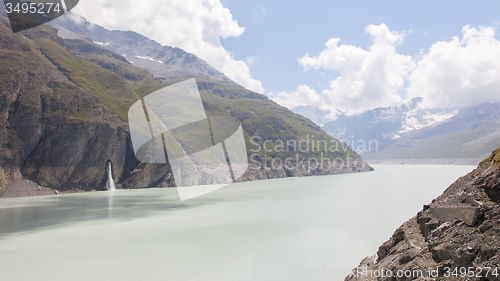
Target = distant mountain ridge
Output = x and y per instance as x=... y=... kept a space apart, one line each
x=408 y=132
x=385 y=123
x=163 y=62
x=472 y=133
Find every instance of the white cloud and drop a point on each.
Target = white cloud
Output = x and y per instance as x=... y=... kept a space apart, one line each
x=193 y=25
x=367 y=78
x=452 y=74
x=459 y=72
x=302 y=95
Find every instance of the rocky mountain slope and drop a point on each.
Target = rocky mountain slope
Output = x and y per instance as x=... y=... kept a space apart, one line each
x=455 y=237
x=163 y=62
x=64 y=106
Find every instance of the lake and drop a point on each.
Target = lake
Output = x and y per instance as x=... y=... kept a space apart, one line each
x=311 y=228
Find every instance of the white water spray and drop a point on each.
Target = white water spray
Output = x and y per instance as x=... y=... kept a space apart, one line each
x=110 y=183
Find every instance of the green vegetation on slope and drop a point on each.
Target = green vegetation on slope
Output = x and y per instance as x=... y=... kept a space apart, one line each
x=494 y=158
x=44 y=88
x=114 y=91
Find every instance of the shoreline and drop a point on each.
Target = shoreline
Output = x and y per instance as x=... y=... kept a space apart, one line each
x=427 y=161
x=28 y=188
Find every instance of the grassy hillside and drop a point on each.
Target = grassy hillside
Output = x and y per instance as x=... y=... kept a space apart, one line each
x=114 y=90
x=494 y=158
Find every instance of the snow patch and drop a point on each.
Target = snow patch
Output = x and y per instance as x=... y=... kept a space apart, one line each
x=428 y=119
x=101 y=44
x=149 y=58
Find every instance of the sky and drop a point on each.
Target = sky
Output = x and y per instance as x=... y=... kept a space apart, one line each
x=350 y=56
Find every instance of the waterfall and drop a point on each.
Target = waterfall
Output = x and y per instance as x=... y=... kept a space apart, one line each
x=110 y=183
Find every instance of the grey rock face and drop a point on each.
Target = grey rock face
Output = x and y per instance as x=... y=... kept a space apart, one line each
x=41 y=141
x=52 y=131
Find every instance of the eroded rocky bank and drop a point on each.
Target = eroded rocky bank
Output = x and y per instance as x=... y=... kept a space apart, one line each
x=457 y=234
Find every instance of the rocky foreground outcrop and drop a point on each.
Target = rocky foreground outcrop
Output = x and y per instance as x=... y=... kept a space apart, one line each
x=455 y=237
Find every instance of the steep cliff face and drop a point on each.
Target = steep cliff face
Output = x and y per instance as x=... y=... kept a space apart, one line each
x=455 y=237
x=53 y=131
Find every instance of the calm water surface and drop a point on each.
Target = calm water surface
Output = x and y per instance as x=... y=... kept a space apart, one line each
x=314 y=228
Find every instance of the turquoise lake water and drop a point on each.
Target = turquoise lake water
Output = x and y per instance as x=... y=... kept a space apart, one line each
x=312 y=228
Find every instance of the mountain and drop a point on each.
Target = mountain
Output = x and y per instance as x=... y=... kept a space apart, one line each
x=64 y=106
x=384 y=124
x=452 y=237
x=474 y=142
x=408 y=132
x=472 y=133
x=163 y=62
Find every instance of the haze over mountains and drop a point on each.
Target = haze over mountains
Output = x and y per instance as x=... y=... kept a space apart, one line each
x=408 y=132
